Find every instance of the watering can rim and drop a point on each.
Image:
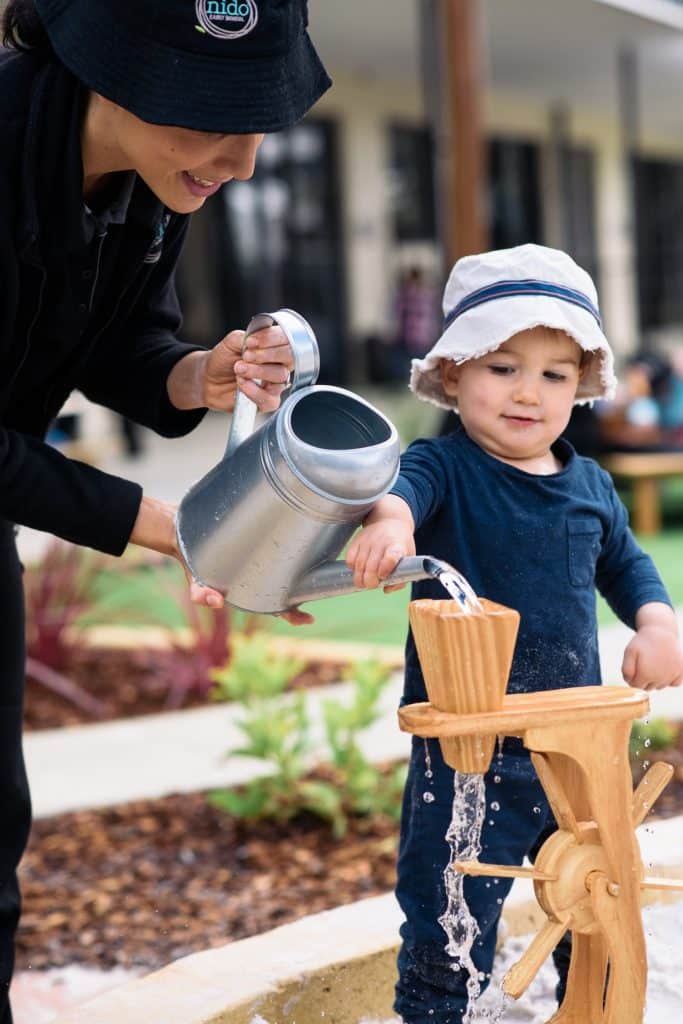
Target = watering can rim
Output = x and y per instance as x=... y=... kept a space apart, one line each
x=284 y=414
x=387 y=450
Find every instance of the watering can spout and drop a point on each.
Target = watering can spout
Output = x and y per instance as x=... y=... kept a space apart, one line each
x=335 y=579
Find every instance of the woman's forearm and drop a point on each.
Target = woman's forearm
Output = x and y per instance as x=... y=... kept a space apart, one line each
x=155 y=526
x=185 y=383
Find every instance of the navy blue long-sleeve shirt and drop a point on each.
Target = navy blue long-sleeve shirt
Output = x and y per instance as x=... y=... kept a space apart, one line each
x=540 y=544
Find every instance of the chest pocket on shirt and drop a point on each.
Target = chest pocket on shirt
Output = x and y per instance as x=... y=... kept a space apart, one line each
x=584 y=535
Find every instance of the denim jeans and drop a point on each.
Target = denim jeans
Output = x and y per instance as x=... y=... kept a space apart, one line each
x=429 y=990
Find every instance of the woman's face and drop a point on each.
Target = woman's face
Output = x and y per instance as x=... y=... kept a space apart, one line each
x=182 y=167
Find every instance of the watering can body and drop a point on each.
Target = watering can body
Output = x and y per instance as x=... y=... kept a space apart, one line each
x=266 y=525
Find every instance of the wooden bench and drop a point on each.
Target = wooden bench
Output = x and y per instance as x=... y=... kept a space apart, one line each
x=644 y=471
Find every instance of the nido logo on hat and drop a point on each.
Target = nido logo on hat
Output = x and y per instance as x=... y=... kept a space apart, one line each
x=226 y=19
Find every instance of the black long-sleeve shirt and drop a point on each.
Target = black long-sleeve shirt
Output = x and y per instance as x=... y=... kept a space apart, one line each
x=540 y=544
x=84 y=304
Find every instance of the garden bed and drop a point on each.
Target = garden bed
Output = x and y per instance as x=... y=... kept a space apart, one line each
x=144 y=883
x=128 y=682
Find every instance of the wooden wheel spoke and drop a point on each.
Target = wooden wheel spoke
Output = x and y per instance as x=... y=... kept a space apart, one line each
x=557 y=797
x=649 y=788
x=477 y=868
x=519 y=977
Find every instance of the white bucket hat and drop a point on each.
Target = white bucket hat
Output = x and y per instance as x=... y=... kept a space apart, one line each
x=492 y=296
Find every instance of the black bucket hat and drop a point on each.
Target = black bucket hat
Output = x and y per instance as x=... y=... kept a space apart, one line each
x=227 y=66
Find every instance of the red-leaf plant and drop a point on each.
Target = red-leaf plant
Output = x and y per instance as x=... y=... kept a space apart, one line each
x=58 y=589
x=190 y=662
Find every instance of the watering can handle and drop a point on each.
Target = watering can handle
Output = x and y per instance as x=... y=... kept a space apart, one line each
x=302 y=340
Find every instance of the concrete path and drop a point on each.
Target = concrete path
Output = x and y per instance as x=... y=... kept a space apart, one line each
x=177 y=752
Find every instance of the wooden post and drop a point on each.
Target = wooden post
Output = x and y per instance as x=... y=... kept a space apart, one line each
x=461 y=81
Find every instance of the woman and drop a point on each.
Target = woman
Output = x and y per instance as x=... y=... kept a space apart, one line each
x=118 y=119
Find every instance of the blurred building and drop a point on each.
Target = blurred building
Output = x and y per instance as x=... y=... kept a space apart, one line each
x=583 y=129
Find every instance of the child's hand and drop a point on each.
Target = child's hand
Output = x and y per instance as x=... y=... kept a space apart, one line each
x=376 y=550
x=654 y=657
x=386 y=538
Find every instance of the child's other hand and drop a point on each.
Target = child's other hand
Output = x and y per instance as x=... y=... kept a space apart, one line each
x=653 y=659
x=374 y=552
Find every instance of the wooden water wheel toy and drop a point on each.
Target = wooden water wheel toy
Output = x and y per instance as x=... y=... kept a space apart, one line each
x=588 y=876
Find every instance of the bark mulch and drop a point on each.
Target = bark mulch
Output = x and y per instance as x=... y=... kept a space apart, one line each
x=128 y=683
x=144 y=883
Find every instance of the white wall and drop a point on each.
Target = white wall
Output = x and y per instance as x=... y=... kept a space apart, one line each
x=364 y=107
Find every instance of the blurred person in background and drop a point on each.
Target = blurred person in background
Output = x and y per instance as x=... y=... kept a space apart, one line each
x=118 y=120
x=416 y=321
x=647 y=414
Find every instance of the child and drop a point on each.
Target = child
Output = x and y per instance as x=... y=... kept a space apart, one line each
x=532 y=525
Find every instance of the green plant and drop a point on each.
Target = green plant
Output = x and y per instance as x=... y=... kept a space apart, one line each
x=365 y=789
x=277 y=729
x=255 y=673
x=655 y=734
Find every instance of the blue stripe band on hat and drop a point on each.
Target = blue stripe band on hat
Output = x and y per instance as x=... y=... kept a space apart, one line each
x=507 y=289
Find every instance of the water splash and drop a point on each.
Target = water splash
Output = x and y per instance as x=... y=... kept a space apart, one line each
x=428 y=761
x=464 y=839
x=457 y=587
x=493 y=1014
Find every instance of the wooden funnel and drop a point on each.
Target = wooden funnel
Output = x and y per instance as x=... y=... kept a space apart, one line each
x=465 y=659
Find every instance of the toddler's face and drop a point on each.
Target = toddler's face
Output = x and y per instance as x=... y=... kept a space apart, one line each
x=515 y=402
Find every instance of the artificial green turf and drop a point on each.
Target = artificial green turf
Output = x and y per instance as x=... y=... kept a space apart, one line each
x=381 y=618
x=151 y=596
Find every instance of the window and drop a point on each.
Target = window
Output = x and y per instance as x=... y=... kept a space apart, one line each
x=658 y=202
x=411 y=183
x=275 y=241
x=515 y=215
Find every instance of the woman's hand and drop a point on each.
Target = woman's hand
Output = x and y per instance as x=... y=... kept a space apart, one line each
x=654 y=657
x=155 y=529
x=211 y=379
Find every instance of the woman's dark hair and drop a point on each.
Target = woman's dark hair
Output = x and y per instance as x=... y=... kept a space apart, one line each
x=22 y=28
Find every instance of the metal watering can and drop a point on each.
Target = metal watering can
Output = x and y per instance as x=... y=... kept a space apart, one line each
x=266 y=525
